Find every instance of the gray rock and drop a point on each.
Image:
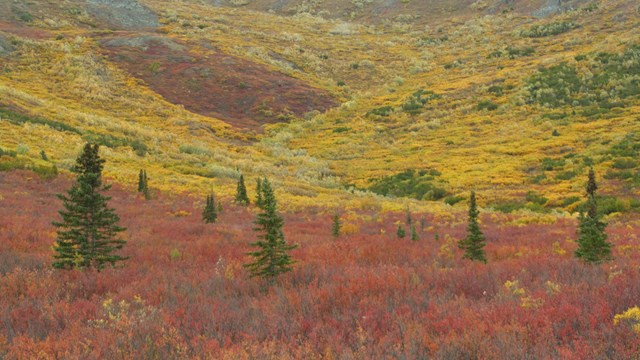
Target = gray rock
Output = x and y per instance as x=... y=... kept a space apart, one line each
x=123 y=14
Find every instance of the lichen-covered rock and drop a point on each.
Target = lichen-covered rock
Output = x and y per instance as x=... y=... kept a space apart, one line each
x=123 y=14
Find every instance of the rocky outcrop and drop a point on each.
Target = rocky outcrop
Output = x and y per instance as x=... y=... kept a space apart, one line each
x=123 y=14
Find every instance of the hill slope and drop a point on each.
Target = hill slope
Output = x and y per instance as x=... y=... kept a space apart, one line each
x=471 y=102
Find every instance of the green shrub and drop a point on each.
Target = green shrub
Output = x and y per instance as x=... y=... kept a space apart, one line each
x=19 y=119
x=421 y=185
x=381 y=111
x=624 y=163
x=452 y=200
x=549 y=164
x=508 y=207
x=536 y=198
x=487 y=105
x=566 y=175
x=193 y=150
x=551 y=29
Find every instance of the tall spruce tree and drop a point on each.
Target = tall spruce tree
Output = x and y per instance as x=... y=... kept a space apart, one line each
x=336 y=225
x=259 y=200
x=473 y=244
x=87 y=236
x=272 y=256
x=241 y=192
x=592 y=237
x=210 y=212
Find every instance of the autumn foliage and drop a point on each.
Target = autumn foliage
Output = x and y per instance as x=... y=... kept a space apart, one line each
x=367 y=294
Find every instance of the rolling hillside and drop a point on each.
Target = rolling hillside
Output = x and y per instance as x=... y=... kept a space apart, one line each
x=198 y=92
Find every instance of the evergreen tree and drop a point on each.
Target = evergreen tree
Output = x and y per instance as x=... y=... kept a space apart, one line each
x=143 y=184
x=271 y=258
x=473 y=244
x=241 y=192
x=141 y=181
x=408 y=215
x=210 y=212
x=414 y=233
x=335 y=227
x=401 y=233
x=592 y=238
x=87 y=234
x=259 y=193
x=43 y=155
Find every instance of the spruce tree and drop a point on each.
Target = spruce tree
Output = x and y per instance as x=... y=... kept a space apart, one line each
x=408 y=215
x=336 y=225
x=414 y=233
x=141 y=181
x=241 y=192
x=473 y=244
x=87 y=236
x=210 y=212
x=259 y=193
x=592 y=238
x=271 y=258
x=401 y=233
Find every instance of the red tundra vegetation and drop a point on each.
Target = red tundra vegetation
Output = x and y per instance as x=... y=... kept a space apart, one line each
x=367 y=295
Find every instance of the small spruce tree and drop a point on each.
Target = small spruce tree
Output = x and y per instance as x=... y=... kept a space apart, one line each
x=414 y=233
x=141 y=182
x=210 y=212
x=592 y=237
x=43 y=155
x=408 y=215
x=271 y=259
x=401 y=233
x=473 y=244
x=87 y=236
x=241 y=192
x=336 y=225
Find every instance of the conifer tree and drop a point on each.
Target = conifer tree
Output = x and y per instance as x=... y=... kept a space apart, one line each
x=592 y=238
x=336 y=225
x=414 y=233
x=408 y=215
x=259 y=193
x=401 y=233
x=43 y=155
x=210 y=212
x=271 y=258
x=143 y=184
x=87 y=236
x=473 y=244
x=241 y=192
x=141 y=181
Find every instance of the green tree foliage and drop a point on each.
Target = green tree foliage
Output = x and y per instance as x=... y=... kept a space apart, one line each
x=414 y=233
x=272 y=256
x=210 y=212
x=473 y=244
x=592 y=238
x=241 y=192
x=259 y=202
x=143 y=184
x=43 y=155
x=87 y=236
x=336 y=225
x=401 y=233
